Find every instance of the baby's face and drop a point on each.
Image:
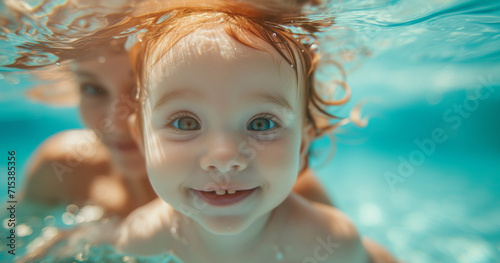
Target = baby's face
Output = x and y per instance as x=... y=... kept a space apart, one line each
x=223 y=127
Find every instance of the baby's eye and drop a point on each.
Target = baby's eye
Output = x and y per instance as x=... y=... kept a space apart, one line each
x=186 y=123
x=261 y=124
x=92 y=90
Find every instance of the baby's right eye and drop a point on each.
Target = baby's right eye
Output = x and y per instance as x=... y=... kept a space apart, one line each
x=92 y=90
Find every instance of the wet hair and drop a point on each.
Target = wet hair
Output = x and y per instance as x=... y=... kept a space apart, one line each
x=291 y=35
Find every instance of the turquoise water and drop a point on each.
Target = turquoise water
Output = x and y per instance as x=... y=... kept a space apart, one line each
x=427 y=63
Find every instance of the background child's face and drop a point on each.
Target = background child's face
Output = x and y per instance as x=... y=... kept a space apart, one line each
x=223 y=116
x=106 y=83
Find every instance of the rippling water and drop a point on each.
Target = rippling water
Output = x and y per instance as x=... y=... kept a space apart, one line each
x=414 y=60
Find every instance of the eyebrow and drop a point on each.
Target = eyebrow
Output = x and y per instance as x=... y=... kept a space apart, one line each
x=178 y=94
x=277 y=99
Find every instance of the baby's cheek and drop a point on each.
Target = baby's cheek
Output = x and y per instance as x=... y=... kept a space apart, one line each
x=167 y=166
x=165 y=153
x=178 y=155
x=280 y=159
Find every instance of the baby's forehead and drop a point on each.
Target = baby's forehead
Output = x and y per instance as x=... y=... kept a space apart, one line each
x=204 y=41
x=167 y=56
x=212 y=40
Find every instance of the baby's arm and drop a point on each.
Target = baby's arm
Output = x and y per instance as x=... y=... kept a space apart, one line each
x=309 y=187
x=358 y=250
x=351 y=247
x=327 y=235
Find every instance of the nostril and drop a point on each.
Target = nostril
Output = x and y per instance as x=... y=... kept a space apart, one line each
x=230 y=167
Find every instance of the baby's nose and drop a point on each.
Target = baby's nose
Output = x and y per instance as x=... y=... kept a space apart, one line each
x=223 y=155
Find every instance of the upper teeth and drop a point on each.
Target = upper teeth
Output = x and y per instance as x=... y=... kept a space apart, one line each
x=223 y=192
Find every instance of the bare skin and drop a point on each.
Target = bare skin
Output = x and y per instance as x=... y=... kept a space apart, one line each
x=330 y=237
x=297 y=231
x=292 y=229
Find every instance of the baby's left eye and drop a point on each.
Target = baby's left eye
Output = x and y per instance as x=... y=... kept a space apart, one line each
x=261 y=124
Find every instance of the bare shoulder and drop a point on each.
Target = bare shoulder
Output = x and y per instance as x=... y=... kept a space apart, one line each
x=146 y=230
x=323 y=233
x=63 y=154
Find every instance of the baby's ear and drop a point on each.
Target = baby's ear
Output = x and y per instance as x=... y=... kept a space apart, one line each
x=135 y=131
x=308 y=133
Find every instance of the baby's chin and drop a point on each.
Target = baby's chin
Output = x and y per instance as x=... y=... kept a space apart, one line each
x=225 y=225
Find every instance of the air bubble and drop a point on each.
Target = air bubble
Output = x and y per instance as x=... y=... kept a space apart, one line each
x=58 y=64
x=49 y=220
x=68 y=218
x=24 y=230
x=274 y=34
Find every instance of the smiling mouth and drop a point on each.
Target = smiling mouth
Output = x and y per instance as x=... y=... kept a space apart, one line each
x=223 y=197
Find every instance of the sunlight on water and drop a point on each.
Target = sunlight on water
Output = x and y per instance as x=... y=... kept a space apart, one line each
x=438 y=30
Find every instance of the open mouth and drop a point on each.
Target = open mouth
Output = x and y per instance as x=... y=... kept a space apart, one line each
x=223 y=197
